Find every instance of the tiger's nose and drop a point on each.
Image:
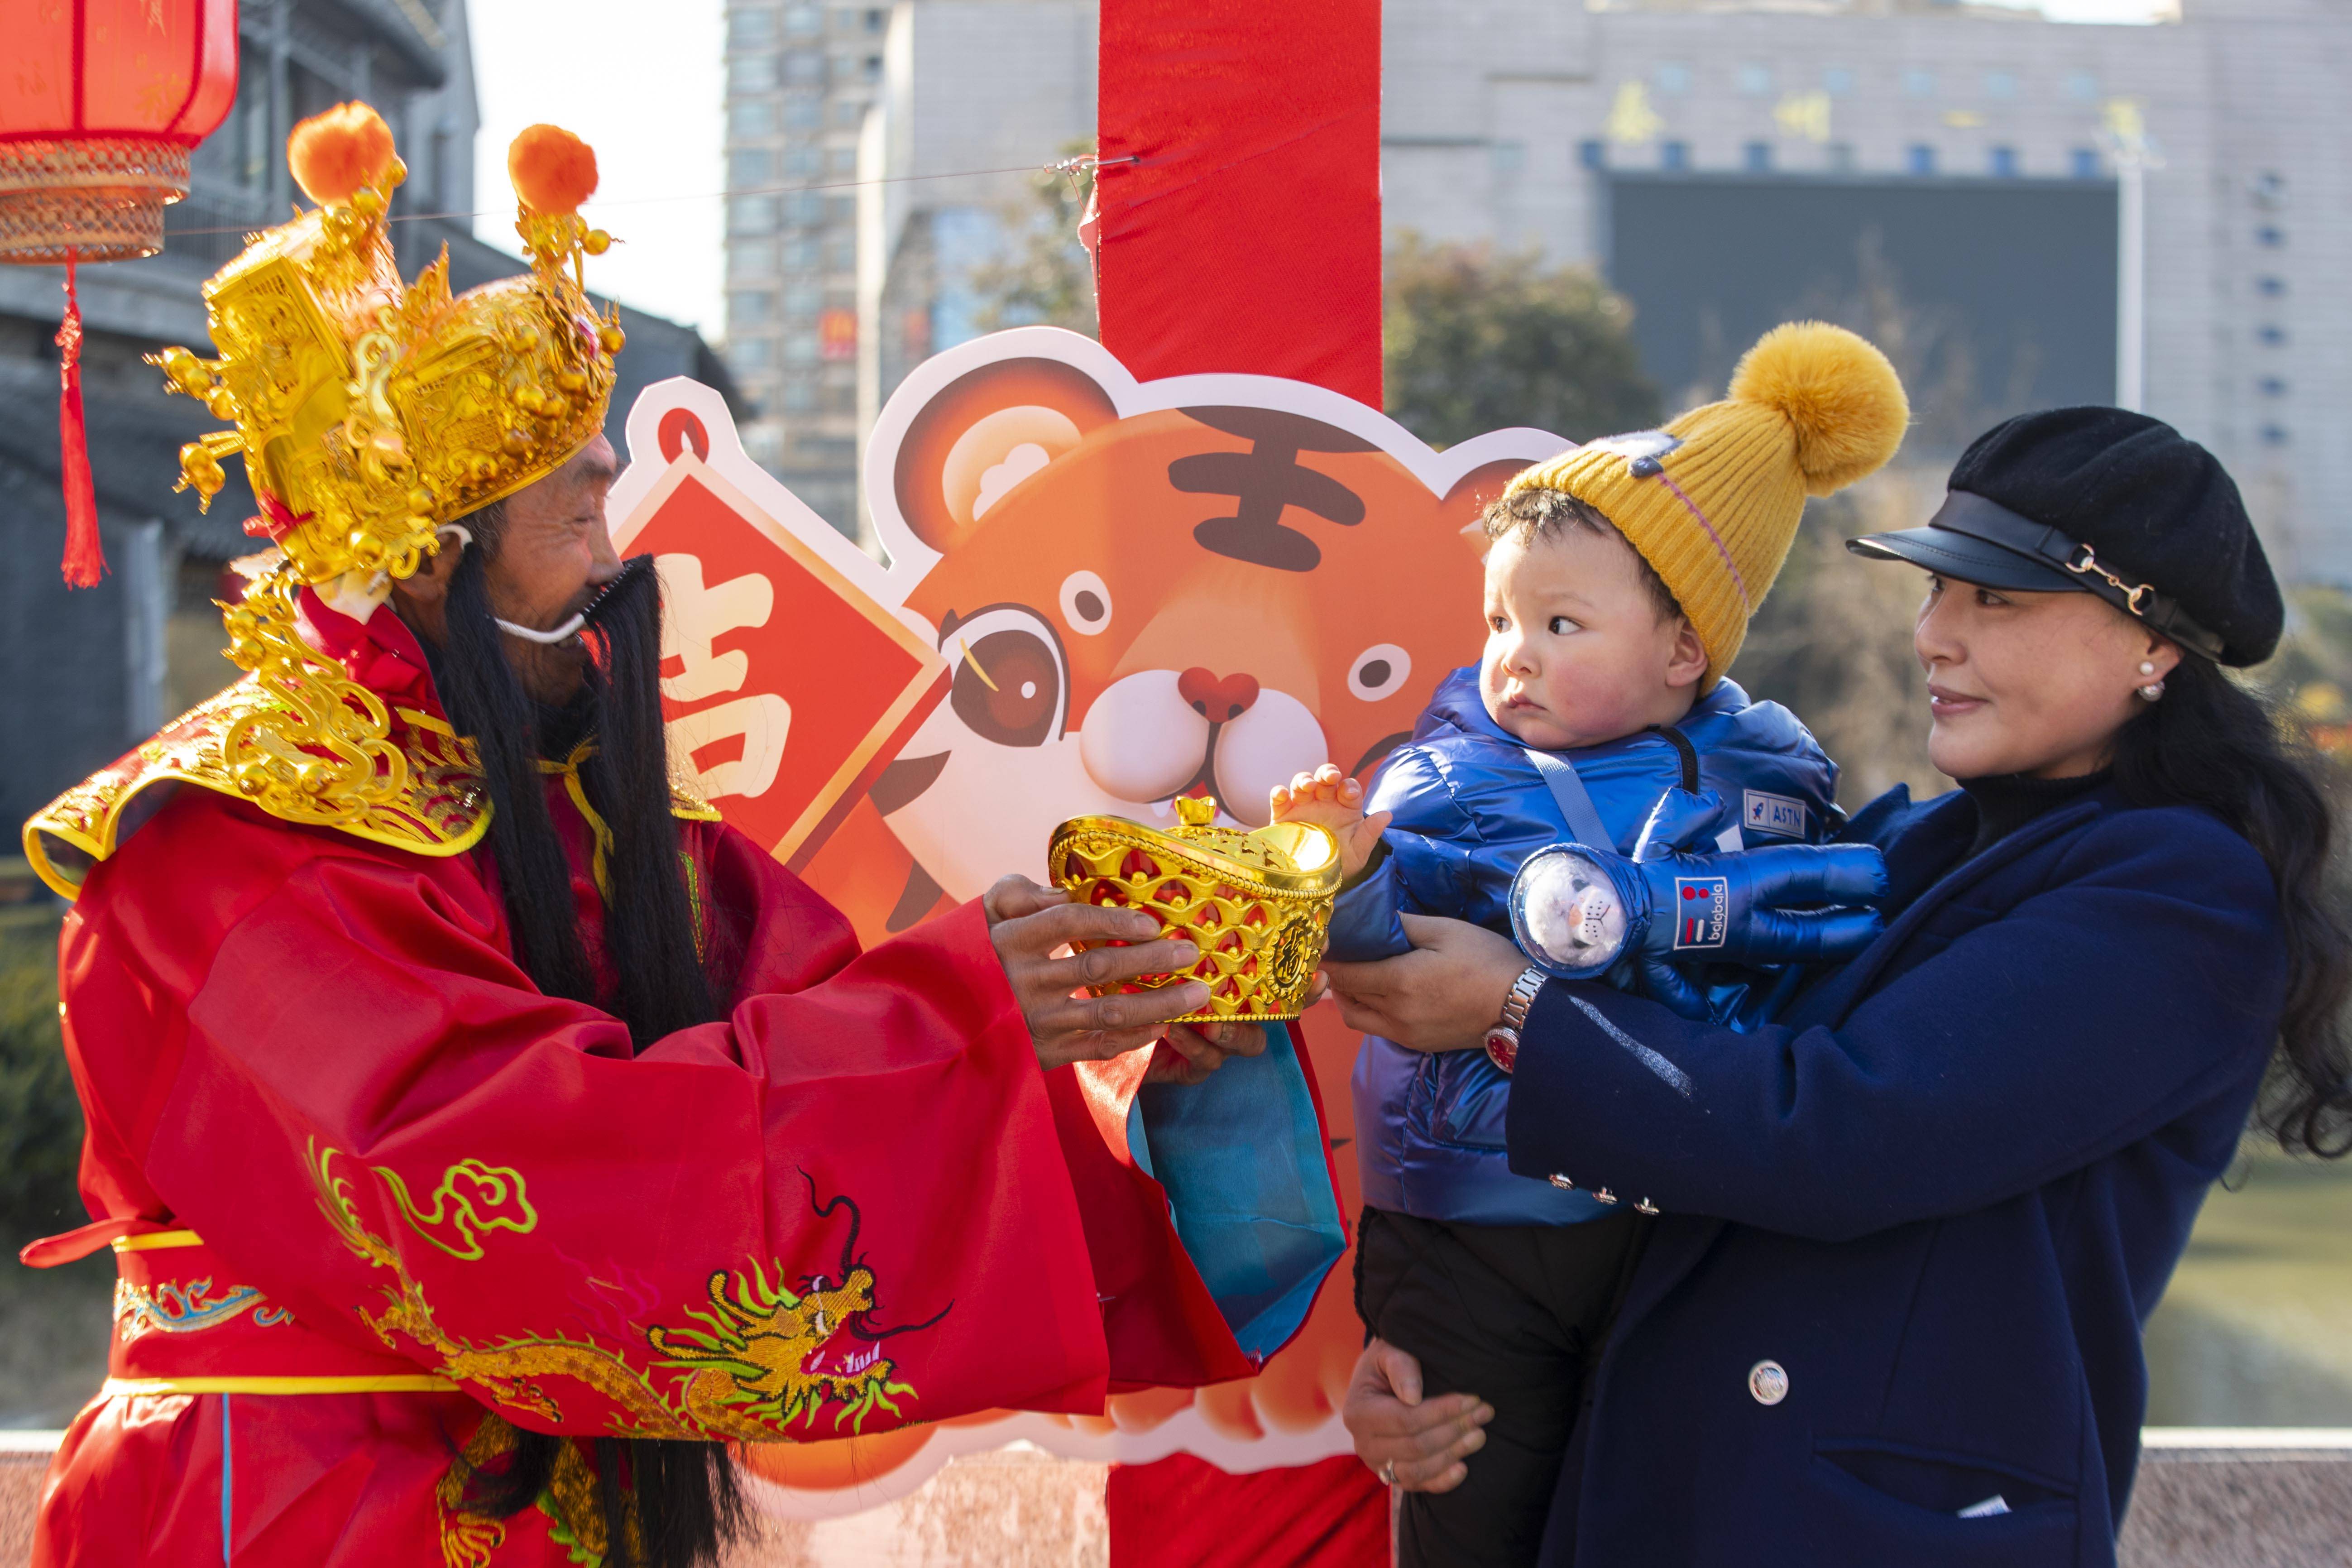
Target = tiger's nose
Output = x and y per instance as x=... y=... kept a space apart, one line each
x=1220 y=700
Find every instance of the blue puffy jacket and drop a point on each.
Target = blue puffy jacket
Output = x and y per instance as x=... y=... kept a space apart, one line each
x=1470 y=806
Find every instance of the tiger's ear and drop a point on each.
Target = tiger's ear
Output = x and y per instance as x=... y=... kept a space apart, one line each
x=983 y=433
x=1470 y=495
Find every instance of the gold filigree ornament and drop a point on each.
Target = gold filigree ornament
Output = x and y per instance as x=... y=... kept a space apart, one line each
x=323 y=753
x=425 y=797
x=1257 y=904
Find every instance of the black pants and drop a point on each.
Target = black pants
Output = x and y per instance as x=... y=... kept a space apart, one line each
x=1514 y=1314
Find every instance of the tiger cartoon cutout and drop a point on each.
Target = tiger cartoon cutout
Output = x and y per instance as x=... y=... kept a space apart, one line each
x=1134 y=591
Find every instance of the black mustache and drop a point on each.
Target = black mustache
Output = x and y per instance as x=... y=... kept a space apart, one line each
x=633 y=569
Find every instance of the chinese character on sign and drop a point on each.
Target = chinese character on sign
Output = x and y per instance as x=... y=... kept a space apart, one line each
x=785 y=687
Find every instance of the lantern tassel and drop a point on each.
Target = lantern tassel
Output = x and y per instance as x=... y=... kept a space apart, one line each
x=84 y=561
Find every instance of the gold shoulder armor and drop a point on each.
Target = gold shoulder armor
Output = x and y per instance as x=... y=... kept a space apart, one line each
x=422 y=792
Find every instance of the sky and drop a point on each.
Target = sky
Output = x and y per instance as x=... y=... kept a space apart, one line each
x=642 y=84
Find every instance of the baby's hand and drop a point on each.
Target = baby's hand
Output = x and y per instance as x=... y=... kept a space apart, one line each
x=1329 y=799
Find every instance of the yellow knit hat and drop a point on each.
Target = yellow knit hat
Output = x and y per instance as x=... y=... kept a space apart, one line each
x=1712 y=501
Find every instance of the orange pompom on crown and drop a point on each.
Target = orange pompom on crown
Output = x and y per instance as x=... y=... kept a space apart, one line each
x=337 y=153
x=553 y=170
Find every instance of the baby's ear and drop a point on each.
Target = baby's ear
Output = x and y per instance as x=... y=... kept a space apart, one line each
x=1689 y=665
x=983 y=433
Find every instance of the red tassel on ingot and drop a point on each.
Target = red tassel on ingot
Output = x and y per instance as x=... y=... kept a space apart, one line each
x=84 y=561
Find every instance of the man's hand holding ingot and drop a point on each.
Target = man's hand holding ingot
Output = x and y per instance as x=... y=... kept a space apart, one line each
x=1192 y=1051
x=1029 y=923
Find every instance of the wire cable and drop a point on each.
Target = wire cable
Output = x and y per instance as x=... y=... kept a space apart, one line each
x=1062 y=167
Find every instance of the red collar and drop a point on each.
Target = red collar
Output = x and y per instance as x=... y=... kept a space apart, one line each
x=381 y=652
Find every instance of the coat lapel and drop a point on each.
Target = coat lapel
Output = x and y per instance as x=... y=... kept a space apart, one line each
x=1847 y=988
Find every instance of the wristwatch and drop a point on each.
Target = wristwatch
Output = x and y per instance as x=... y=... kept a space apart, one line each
x=1503 y=1039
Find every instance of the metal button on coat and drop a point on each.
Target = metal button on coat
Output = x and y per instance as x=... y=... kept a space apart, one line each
x=1562 y=1183
x=1769 y=1381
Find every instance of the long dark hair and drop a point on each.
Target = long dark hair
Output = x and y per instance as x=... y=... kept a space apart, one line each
x=684 y=1496
x=2209 y=741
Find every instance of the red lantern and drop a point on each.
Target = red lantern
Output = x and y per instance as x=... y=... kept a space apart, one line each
x=100 y=103
x=99 y=107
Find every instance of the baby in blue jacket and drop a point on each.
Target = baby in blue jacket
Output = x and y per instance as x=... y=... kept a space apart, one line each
x=1620 y=578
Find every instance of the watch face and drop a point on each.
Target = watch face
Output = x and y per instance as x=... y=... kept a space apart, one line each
x=1503 y=1048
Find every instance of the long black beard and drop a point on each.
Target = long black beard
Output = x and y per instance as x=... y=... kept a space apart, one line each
x=687 y=1502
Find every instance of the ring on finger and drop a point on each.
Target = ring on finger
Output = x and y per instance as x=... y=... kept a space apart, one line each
x=1388 y=1474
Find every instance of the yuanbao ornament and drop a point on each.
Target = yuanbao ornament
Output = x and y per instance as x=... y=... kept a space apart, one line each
x=101 y=104
x=1256 y=904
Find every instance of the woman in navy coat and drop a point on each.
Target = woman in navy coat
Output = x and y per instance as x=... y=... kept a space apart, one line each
x=1891 y=1313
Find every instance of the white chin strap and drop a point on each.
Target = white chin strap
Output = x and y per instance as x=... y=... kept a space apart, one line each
x=564 y=633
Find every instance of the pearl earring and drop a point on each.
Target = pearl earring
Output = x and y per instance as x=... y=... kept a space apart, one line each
x=2146 y=668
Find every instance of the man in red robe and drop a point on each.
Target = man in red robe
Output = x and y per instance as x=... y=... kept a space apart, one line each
x=485 y=1132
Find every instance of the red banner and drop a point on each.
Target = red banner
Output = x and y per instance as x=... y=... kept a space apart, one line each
x=1240 y=189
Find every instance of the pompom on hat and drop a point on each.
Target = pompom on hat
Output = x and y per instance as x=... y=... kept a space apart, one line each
x=553 y=170
x=1712 y=501
x=337 y=154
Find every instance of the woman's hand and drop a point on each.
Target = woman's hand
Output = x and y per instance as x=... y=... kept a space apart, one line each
x=1443 y=996
x=1192 y=1051
x=1410 y=1442
x=1029 y=924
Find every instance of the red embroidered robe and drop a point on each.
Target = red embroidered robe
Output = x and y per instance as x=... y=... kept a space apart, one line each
x=340 y=1136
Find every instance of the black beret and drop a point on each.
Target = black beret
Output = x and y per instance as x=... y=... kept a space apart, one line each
x=2114 y=503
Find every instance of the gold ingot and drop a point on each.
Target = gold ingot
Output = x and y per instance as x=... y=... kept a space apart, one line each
x=596 y=242
x=1256 y=904
x=572 y=380
x=221 y=403
x=515 y=442
x=420 y=499
x=612 y=337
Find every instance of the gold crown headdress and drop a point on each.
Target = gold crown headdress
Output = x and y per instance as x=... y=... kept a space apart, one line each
x=1257 y=905
x=370 y=414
